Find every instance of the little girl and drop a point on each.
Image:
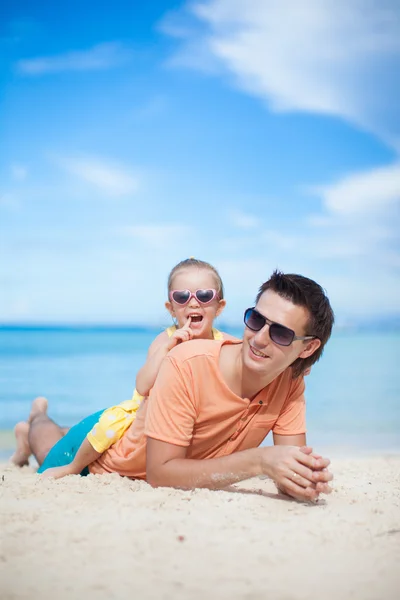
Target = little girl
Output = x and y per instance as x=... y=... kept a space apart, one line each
x=195 y=299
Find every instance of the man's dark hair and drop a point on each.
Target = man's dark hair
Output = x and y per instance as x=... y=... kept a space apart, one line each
x=307 y=293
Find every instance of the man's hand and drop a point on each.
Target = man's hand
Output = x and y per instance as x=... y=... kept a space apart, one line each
x=297 y=471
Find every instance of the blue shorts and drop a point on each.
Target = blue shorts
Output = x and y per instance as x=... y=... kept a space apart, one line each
x=64 y=452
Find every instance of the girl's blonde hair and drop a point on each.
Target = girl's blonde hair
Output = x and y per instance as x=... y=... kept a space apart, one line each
x=198 y=264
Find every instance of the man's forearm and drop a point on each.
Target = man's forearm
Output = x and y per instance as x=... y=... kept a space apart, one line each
x=298 y=471
x=213 y=473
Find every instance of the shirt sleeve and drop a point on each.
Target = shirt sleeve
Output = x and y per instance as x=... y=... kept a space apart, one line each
x=171 y=413
x=292 y=419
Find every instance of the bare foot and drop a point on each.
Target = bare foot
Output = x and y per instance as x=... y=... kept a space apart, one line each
x=39 y=406
x=23 y=449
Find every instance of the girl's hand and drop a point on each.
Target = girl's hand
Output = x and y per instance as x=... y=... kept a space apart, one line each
x=183 y=334
x=58 y=472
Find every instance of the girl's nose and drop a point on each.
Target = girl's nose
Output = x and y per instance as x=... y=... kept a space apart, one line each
x=193 y=302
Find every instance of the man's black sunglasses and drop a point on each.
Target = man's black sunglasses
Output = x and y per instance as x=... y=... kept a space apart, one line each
x=278 y=333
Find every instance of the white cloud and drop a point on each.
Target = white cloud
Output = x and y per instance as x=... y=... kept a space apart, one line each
x=99 y=57
x=107 y=177
x=358 y=297
x=351 y=246
x=366 y=192
x=336 y=58
x=242 y=220
x=360 y=217
x=18 y=172
x=332 y=57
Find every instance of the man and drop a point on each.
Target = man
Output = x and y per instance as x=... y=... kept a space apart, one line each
x=213 y=403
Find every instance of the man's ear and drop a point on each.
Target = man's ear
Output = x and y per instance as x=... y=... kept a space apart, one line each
x=221 y=306
x=310 y=348
x=169 y=308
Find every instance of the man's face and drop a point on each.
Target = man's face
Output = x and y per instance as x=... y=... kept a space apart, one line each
x=263 y=356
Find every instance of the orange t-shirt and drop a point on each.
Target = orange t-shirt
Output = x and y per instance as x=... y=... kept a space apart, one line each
x=191 y=405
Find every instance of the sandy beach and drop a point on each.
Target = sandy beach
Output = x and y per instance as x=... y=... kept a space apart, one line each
x=109 y=537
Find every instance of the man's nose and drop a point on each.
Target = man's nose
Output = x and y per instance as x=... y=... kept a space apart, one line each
x=262 y=337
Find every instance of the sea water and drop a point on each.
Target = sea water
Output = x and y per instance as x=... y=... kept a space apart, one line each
x=353 y=393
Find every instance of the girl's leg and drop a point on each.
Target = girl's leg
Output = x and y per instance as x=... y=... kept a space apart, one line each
x=43 y=432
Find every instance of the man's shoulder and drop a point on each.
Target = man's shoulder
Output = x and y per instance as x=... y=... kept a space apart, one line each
x=195 y=348
x=285 y=383
x=199 y=348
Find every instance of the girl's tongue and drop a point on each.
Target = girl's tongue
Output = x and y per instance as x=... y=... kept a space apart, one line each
x=196 y=322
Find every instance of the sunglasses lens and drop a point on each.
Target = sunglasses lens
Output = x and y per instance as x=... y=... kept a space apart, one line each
x=281 y=335
x=180 y=296
x=253 y=320
x=204 y=296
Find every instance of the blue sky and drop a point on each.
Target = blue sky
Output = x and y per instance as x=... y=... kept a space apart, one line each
x=254 y=135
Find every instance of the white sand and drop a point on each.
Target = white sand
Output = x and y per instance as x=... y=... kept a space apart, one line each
x=109 y=537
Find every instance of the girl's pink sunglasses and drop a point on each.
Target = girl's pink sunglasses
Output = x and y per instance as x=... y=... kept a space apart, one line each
x=182 y=297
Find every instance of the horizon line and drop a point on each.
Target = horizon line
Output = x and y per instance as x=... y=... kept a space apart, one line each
x=109 y=326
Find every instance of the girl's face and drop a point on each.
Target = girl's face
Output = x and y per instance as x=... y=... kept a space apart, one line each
x=202 y=315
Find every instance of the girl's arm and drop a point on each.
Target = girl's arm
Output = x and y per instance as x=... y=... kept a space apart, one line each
x=84 y=457
x=157 y=352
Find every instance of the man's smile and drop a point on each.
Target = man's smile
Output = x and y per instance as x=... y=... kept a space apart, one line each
x=258 y=353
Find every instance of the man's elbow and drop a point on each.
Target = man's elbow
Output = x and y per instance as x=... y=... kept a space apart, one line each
x=156 y=476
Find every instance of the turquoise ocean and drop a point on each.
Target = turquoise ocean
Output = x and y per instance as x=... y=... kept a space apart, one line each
x=353 y=393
